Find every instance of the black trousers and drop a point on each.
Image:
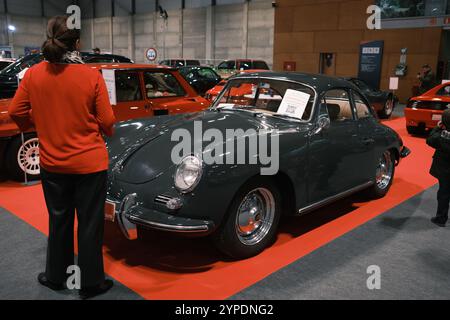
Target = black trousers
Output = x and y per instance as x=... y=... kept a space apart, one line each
x=443 y=197
x=65 y=195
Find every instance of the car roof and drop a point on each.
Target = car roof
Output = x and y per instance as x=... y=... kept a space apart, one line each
x=317 y=81
x=127 y=66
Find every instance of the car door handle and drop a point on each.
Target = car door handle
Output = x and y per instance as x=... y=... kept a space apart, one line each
x=368 y=141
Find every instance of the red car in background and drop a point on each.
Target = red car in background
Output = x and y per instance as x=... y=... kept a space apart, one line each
x=425 y=111
x=141 y=91
x=214 y=92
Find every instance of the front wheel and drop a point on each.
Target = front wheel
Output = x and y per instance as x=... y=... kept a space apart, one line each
x=388 y=108
x=252 y=220
x=384 y=175
x=21 y=158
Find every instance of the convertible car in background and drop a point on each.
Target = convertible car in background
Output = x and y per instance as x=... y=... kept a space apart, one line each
x=142 y=91
x=200 y=78
x=8 y=76
x=425 y=111
x=383 y=102
x=330 y=145
x=212 y=93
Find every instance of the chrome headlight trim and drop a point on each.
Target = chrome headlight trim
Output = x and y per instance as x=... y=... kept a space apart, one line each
x=193 y=164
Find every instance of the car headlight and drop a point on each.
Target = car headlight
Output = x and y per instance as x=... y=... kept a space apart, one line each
x=188 y=174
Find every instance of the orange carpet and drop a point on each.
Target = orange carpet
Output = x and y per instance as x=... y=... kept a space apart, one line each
x=167 y=267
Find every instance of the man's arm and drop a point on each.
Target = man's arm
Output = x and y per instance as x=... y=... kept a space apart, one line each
x=104 y=112
x=20 y=108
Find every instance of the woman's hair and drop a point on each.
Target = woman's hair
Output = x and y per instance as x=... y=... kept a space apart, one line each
x=60 y=39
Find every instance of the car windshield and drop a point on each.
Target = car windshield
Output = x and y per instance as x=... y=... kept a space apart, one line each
x=276 y=98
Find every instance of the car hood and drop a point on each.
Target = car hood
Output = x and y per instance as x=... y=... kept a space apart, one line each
x=141 y=150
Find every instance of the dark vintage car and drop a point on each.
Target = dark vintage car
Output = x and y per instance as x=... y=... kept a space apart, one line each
x=334 y=146
x=201 y=79
x=142 y=90
x=383 y=102
x=8 y=76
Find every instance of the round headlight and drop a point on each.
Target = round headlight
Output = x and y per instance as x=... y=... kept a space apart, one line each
x=188 y=174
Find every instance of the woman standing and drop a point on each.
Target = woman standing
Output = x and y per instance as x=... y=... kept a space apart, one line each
x=68 y=104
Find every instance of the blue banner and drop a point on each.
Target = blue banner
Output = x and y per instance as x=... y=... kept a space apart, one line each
x=370 y=62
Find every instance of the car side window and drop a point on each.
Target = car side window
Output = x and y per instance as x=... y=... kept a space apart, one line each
x=227 y=65
x=260 y=65
x=128 y=87
x=362 y=109
x=207 y=73
x=338 y=105
x=162 y=85
x=444 y=91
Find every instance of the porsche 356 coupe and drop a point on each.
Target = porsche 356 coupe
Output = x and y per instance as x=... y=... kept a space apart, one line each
x=330 y=145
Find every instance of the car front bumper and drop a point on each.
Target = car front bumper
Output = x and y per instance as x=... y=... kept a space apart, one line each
x=130 y=214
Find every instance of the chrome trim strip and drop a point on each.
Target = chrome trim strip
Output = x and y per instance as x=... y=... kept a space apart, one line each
x=331 y=199
x=167 y=227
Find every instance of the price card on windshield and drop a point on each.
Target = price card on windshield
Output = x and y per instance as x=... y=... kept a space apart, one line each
x=294 y=103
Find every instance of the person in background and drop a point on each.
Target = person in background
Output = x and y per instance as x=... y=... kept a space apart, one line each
x=426 y=78
x=67 y=103
x=439 y=139
x=96 y=50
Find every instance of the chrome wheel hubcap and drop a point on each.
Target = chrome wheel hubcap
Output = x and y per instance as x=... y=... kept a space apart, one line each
x=28 y=157
x=389 y=107
x=255 y=216
x=384 y=171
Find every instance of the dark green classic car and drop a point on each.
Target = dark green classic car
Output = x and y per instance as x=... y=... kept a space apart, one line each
x=271 y=144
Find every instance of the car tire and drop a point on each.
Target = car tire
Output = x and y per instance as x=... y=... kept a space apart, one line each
x=388 y=108
x=384 y=176
x=20 y=156
x=242 y=235
x=415 y=130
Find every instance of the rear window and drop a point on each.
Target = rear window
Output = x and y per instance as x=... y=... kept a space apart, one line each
x=192 y=62
x=260 y=65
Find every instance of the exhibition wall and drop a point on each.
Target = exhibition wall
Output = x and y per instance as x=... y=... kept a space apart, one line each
x=306 y=28
x=231 y=29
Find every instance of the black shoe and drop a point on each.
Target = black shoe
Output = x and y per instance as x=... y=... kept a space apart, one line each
x=42 y=278
x=438 y=222
x=91 y=292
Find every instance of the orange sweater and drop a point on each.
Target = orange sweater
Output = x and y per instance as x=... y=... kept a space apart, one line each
x=69 y=107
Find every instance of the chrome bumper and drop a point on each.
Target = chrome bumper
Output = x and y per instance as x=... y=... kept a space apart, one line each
x=129 y=214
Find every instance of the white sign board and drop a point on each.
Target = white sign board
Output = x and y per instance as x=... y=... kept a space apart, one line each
x=445 y=81
x=294 y=103
x=393 y=83
x=110 y=80
x=151 y=54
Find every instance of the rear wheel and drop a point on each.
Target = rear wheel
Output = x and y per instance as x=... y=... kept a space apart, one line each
x=21 y=158
x=252 y=220
x=388 y=108
x=384 y=175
